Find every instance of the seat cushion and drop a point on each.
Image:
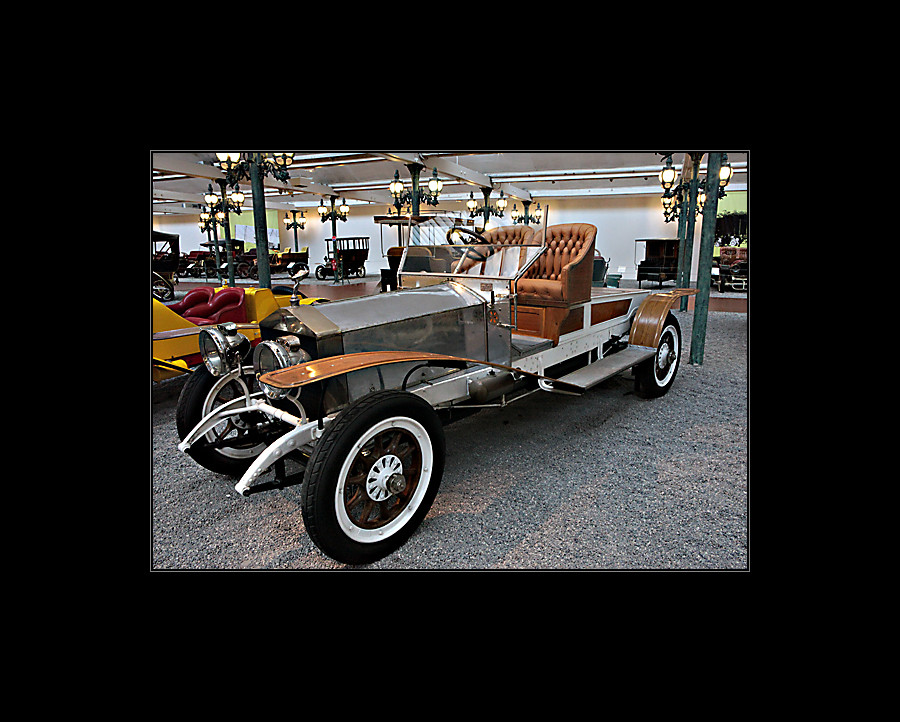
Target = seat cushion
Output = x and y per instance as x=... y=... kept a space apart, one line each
x=194 y=297
x=226 y=305
x=541 y=292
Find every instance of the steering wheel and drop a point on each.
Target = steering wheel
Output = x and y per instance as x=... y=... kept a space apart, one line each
x=472 y=253
x=460 y=229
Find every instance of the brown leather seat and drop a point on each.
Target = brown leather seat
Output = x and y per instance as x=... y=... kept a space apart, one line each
x=510 y=235
x=562 y=275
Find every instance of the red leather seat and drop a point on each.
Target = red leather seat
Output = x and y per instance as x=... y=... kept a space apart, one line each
x=193 y=298
x=226 y=305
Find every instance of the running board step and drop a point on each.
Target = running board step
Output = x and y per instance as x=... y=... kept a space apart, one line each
x=593 y=374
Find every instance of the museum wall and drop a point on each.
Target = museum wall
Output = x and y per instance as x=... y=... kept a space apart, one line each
x=619 y=220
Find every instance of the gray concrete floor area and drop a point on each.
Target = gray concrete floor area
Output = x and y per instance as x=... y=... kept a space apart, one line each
x=602 y=482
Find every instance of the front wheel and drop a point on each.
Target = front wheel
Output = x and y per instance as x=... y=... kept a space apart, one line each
x=373 y=477
x=233 y=444
x=654 y=377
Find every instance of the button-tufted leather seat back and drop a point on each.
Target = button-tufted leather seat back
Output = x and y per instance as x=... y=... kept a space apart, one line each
x=562 y=275
x=510 y=235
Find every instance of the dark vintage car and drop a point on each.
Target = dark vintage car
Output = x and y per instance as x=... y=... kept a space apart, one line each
x=346 y=257
x=357 y=390
x=731 y=269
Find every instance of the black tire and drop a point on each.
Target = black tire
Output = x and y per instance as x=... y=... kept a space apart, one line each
x=655 y=376
x=201 y=393
x=352 y=465
x=320 y=273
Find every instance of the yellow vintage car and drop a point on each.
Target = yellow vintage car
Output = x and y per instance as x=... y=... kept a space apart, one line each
x=176 y=326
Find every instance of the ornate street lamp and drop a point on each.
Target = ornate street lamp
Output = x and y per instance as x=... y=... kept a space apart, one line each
x=237 y=165
x=254 y=167
x=525 y=217
x=220 y=208
x=295 y=225
x=333 y=215
x=670 y=208
x=668 y=175
x=417 y=194
x=725 y=173
x=487 y=209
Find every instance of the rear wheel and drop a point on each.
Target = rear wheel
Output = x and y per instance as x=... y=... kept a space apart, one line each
x=373 y=477
x=654 y=377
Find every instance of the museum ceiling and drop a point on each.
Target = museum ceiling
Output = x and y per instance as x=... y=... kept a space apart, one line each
x=180 y=179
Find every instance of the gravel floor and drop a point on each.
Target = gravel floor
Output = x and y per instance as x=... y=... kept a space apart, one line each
x=605 y=481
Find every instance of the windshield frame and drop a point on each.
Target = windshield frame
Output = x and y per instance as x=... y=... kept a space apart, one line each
x=500 y=251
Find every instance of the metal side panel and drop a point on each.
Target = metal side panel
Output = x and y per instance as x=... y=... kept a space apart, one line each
x=607 y=367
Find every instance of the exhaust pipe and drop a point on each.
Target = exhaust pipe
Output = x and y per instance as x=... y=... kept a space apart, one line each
x=489 y=388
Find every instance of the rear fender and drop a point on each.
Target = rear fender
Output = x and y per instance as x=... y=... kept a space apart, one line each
x=647 y=327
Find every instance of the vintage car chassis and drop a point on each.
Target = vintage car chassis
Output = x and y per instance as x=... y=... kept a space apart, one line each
x=615 y=330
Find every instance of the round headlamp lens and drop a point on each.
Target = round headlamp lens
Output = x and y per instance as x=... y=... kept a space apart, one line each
x=220 y=348
x=281 y=353
x=212 y=349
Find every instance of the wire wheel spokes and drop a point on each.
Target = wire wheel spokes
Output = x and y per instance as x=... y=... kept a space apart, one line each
x=234 y=427
x=382 y=478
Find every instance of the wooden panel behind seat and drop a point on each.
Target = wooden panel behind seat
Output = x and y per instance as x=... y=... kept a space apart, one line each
x=549 y=322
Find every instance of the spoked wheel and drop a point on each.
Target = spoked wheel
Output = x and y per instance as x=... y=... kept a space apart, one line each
x=232 y=445
x=162 y=289
x=655 y=376
x=373 y=477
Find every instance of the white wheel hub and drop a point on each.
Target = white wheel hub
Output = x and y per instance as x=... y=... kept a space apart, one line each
x=662 y=358
x=385 y=478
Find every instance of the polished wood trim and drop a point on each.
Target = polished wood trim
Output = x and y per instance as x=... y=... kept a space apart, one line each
x=601 y=312
x=574 y=321
x=332 y=366
x=651 y=316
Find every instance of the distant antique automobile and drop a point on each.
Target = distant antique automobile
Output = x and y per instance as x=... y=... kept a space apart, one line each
x=347 y=258
x=176 y=326
x=730 y=269
x=357 y=390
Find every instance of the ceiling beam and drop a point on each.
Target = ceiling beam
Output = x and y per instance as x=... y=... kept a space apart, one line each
x=455 y=170
x=171 y=163
x=161 y=195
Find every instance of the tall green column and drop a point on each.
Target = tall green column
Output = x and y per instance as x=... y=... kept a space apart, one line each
x=686 y=251
x=259 y=223
x=333 y=219
x=704 y=271
x=215 y=241
x=414 y=169
x=229 y=249
x=486 y=192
